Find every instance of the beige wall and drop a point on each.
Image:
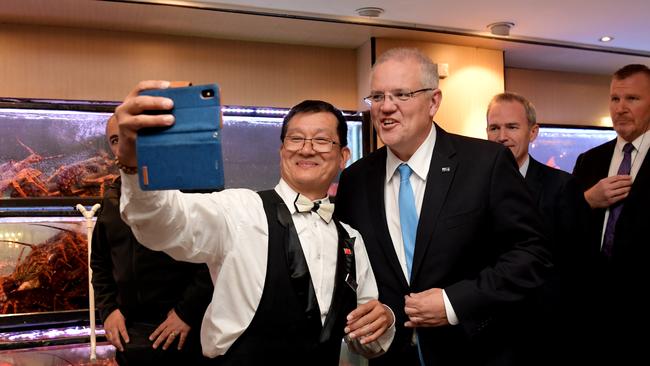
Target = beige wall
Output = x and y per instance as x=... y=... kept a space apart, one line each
x=475 y=75
x=364 y=63
x=561 y=97
x=68 y=63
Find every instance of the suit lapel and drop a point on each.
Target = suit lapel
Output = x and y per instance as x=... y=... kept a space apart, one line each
x=534 y=179
x=602 y=169
x=441 y=173
x=377 y=213
x=345 y=285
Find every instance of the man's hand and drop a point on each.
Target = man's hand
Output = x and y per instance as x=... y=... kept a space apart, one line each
x=114 y=327
x=130 y=118
x=426 y=309
x=608 y=191
x=368 y=321
x=169 y=330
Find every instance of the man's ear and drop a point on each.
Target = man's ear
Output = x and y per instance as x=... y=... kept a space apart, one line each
x=345 y=156
x=534 y=131
x=436 y=99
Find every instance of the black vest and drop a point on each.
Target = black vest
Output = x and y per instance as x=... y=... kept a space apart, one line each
x=286 y=328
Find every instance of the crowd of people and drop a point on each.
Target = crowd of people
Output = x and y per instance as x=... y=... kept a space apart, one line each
x=440 y=249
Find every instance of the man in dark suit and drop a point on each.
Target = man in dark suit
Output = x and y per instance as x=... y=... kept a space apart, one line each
x=615 y=178
x=451 y=230
x=512 y=122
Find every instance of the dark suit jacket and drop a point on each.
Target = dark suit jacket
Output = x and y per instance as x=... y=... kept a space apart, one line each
x=559 y=198
x=591 y=167
x=479 y=237
x=615 y=282
x=549 y=319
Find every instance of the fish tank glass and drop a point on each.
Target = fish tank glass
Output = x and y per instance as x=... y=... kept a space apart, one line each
x=55 y=152
x=43 y=264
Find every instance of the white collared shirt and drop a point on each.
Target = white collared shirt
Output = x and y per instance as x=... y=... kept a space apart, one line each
x=641 y=145
x=419 y=162
x=523 y=169
x=228 y=230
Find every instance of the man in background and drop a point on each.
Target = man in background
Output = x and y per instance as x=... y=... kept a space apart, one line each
x=512 y=122
x=615 y=178
x=151 y=305
x=451 y=230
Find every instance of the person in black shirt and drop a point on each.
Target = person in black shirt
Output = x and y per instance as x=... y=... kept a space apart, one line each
x=151 y=305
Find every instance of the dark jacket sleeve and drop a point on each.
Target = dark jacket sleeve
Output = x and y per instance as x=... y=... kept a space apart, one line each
x=101 y=264
x=196 y=297
x=580 y=174
x=518 y=241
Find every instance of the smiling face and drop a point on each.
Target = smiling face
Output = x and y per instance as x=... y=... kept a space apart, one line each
x=629 y=105
x=508 y=125
x=307 y=171
x=402 y=125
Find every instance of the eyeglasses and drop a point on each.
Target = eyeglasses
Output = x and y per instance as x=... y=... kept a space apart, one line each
x=401 y=95
x=319 y=144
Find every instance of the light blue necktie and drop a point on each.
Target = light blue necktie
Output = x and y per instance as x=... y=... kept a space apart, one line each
x=408 y=215
x=408 y=219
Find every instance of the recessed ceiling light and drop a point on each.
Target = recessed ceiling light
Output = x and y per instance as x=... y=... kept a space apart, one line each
x=606 y=39
x=370 y=11
x=501 y=28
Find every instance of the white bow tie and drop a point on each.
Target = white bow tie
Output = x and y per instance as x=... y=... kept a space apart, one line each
x=324 y=210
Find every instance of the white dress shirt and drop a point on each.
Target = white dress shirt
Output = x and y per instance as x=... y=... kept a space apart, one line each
x=228 y=230
x=523 y=169
x=419 y=162
x=641 y=145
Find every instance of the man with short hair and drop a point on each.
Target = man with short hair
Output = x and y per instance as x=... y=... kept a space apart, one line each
x=512 y=122
x=290 y=279
x=615 y=177
x=450 y=227
x=151 y=305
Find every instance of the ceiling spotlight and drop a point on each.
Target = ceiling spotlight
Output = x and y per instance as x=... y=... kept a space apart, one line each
x=370 y=11
x=606 y=39
x=501 y=28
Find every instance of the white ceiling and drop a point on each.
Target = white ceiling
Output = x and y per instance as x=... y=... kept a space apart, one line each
x=552 y=34
x=567 y=21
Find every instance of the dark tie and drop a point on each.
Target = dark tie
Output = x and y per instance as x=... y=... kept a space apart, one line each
x=615 y=209
x=323 y=209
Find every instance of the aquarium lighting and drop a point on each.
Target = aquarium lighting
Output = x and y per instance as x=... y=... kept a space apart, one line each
x=46 y=334
x=237 y=110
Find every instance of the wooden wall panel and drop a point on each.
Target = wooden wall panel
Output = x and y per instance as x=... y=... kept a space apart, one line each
x=69 y=63
x=562 y=97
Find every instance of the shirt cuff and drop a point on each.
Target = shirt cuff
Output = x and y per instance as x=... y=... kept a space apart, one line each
x=131 y=188
x=376 y=348
x=451 y=314
x=386 y=339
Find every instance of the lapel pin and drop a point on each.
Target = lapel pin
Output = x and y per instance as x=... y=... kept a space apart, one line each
x=446 y=169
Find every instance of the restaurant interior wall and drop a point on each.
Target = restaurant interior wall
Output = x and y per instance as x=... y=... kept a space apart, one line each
x=562 y=97
x=84 y=64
